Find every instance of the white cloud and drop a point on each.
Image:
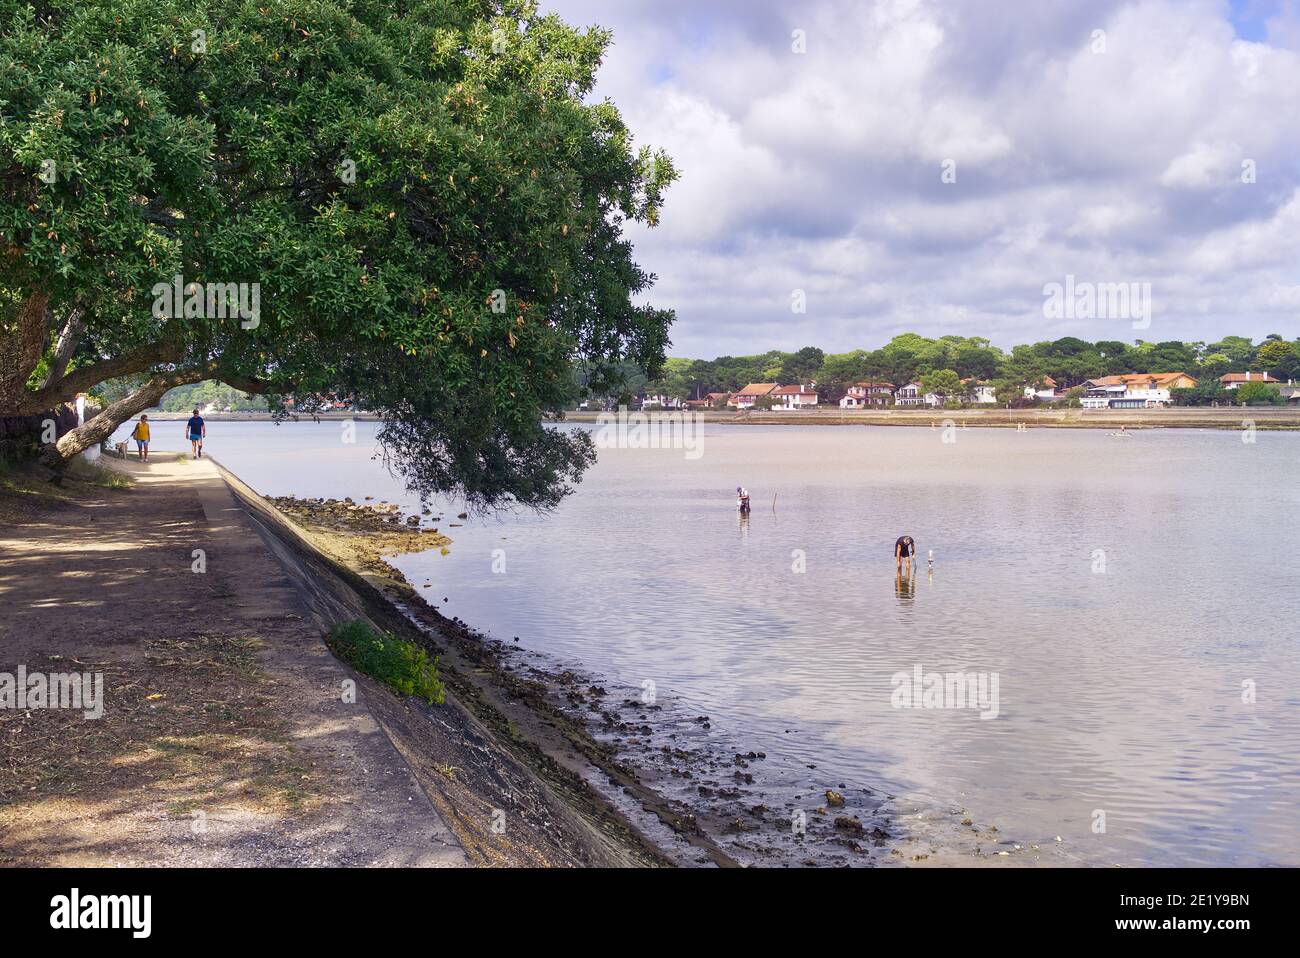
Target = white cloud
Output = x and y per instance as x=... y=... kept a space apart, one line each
x=821 y=170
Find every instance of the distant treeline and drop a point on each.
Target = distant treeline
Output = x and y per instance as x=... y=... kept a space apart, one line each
x=184 y=398
x=911 y=357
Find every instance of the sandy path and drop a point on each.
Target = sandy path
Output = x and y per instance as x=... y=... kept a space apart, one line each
x=226 y=739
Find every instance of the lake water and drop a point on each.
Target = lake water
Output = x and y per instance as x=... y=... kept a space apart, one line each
x=1129 y=595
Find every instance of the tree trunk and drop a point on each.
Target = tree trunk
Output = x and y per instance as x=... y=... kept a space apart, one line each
x=21 y=348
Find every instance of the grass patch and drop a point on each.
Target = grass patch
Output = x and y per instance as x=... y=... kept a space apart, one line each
x=101 y=476
x=402 y=666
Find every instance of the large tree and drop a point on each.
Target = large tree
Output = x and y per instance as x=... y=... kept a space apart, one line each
x=429 y=206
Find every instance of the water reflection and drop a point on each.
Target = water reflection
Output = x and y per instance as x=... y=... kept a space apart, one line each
x=905 y=588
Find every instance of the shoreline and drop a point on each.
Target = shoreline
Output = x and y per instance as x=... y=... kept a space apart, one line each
x=696 y=799
x=580 y=771
x=1173 y=417
x=1280 y=418
x=157 y=415
x=349 y=579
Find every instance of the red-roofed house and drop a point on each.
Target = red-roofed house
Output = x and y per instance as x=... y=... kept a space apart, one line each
x=1045 y=389
x=794 y=397
x=867 y=394
x=1133 y=390
x=1235 y=380
x=745 y=398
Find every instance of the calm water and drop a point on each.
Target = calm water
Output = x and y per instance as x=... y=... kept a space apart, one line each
x=1122 y=590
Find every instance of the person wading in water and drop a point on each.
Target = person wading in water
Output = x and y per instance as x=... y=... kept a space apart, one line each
x=904 y=548
x=742 y=498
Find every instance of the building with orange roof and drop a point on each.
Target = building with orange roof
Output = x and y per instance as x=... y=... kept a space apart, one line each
x=1133 y=390
x=794 y=397
x=745 y=398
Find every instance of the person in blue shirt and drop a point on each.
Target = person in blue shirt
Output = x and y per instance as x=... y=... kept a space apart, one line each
x=195 y=430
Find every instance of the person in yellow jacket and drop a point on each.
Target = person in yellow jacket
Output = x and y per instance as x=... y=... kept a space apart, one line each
x=141 y=436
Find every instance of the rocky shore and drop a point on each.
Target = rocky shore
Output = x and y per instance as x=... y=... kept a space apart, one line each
x=368 y=530
x=698 y=797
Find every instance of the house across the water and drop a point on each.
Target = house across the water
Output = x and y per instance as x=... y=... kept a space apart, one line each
x=865 y=394
x=979 y=393
x=1237 y=380
x=914 y=395
x=1045 y=389
x=659 y=401
x=1133 y=390
x=745 y=398
x=793 y=397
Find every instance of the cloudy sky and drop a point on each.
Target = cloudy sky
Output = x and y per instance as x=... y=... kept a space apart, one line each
x=1115 y=157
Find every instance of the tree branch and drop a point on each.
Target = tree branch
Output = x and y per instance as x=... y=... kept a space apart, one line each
x=83 y=378
x=96 y=430
x=249 y=384
x=67 y=344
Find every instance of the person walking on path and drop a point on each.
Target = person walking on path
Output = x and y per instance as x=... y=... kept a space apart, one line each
x=141 y=436
x=195 y=430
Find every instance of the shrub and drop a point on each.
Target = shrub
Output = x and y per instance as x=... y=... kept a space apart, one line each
x=1258 y=394
x=402 y=666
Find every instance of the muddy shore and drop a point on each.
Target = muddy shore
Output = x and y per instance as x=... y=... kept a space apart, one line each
x=696 y=797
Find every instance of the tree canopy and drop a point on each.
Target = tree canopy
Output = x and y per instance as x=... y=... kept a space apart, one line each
x=417 y=198
x=911 y=357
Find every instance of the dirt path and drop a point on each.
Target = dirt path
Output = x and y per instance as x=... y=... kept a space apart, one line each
x=225 y=738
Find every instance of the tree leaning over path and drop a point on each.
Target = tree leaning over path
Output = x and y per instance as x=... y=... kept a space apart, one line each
x=416 y=199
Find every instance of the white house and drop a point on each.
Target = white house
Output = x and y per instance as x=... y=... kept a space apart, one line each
x=913 y=395
x=1237 y=380
x=909 y=395
x=979 y=392
x=1046 y=390
x=1133 y=390
x=793 y=397
x=661 y=401
x=867 y=394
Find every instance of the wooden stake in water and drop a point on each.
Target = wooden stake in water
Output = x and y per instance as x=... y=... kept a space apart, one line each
x=774 y=502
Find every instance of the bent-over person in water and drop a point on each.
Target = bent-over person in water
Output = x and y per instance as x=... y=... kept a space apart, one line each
x=904 y=549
